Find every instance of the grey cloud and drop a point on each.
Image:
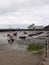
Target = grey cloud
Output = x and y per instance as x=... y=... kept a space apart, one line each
x=14 y=5
x=32 y=11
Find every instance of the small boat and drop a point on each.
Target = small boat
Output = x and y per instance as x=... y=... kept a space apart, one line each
x=10 y=41
x=8 y=34
x=25 y=32
x=15 y=34
x=30 y=35
x=22 y=37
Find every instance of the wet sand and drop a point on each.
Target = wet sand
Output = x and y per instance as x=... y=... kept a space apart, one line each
x=15 y=57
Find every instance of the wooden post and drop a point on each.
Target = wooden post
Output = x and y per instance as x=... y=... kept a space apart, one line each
x=48 y=39
x=46 y=49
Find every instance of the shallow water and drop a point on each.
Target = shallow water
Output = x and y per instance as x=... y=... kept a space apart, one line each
x=16 y=44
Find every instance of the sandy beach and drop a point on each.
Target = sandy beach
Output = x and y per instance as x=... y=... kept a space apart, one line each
x=15 y=57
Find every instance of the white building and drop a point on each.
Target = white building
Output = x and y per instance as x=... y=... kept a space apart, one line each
x=32 y=26
x=38 y=27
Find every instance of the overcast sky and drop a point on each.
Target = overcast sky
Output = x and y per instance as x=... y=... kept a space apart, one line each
x=24 y=12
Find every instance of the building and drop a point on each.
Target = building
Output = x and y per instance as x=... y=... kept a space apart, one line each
x=32 y=26
x=38 y=27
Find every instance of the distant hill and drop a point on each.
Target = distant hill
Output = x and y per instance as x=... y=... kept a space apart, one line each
x=7 y=26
